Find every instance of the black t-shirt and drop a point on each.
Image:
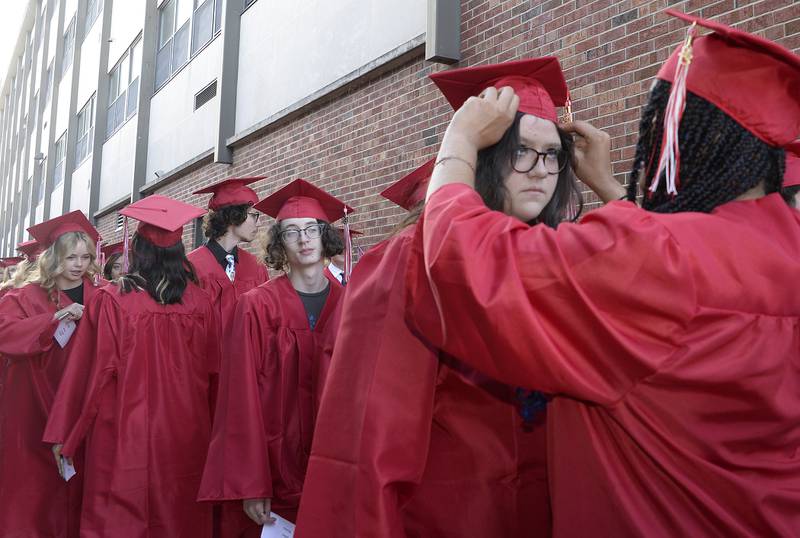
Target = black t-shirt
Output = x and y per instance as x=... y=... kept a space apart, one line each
x=314 y=303
x=75 y=294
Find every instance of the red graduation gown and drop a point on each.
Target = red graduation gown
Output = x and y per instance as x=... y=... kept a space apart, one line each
x=411 y=443
x=673 y=341
x=136 y=388
x=34 y=500
x=224 y=294
x=270 y=387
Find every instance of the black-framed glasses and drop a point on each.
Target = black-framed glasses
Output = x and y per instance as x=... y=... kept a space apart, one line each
x=292 y=235
x=255 y=215
x=525 y=159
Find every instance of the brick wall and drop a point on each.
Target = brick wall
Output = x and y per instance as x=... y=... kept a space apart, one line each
x=357 y=143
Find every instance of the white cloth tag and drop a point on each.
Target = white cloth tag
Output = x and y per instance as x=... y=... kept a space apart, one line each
x=280 y=529
x=64 y=331
x=69 y=470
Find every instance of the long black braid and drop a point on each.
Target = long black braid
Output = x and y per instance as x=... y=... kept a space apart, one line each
x=719 y=159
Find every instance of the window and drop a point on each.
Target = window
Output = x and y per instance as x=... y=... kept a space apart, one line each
x=69 y=46
x=58 y=170
x=123 y=88
x=48 y=83
x=184 y=28
x=203 y=25
x=93 y=9
x=40 y=186
x=83 y=147
x=35 y=112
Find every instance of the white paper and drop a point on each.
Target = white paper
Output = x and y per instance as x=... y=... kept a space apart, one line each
x=69 y=470
x=64 y=331
x=280 y=529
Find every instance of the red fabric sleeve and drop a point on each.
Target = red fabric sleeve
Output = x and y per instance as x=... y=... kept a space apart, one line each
x=24 y=332
x=91 y=364
x=237 y=466
x=550 y=309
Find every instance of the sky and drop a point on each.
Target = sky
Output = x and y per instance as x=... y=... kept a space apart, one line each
x=10 y=23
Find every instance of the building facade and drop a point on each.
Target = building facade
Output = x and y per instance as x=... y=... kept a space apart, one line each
x=107 y=101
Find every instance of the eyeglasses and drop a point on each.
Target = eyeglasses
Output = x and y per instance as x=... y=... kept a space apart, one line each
x=254 y=215
x=292 y=235
x=525 y=159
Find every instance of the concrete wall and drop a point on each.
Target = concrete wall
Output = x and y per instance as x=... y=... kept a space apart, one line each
x=289 y=50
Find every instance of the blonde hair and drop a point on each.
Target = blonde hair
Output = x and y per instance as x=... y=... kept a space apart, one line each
x=23 y=271
x=50 y=263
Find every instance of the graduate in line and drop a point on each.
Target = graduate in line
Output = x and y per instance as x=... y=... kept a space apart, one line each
x=666 y=333
x=226 y=272
x=30 y=250
x=411 y=442
x=113 y=264
x=9 y=266
x=35 y=320
x=335 y=268
x=136 y=388
x=280 y=343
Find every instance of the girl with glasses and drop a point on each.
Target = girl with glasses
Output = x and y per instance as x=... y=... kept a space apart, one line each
x=667 y=333
x=410 y=441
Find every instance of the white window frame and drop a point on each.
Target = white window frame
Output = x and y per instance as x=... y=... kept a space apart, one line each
x=60 y=154
x=124 y=98
x=48 y=83
x=69 y=47
x=93 y=10
x=85 y=132
x=167 y=64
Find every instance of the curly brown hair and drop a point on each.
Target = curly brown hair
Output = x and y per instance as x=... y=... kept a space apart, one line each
x=216 y=223
x=275 y=253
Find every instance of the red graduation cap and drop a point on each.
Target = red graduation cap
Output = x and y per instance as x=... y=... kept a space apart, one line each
x=539 y=83
x=231 y=191
x=791 y=178
x=46 y=233
x=161 y=219
x=301 y=199
x=753 y=80
x=115 y=248
x=30 y=249
x=10 y=262
x=409 y=190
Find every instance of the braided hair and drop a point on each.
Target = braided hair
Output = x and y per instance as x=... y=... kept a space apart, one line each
x=719 y=159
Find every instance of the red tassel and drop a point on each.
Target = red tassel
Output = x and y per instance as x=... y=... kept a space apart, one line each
x=125 y=254
x=348 y=249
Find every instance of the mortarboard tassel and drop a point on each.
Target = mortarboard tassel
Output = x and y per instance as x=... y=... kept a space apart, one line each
x=348 y=248
x=125 y=247
x=568 y=108
x=98 y=256
x=669 y=161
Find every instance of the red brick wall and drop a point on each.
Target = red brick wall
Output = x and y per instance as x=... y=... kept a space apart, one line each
x=356 y=144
